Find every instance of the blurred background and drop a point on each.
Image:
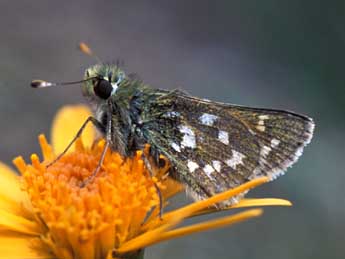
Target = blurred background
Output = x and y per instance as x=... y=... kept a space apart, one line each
x=278 y=54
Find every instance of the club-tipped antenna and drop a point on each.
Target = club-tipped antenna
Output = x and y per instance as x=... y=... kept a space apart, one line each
x=43 y=84
x=83 y=47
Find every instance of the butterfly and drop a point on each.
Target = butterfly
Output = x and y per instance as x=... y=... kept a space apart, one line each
x=211 y=146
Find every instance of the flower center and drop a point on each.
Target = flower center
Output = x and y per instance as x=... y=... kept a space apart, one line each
x=98 y=217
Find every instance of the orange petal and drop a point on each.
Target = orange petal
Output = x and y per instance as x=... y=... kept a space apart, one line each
x=66 y=124
x=162 y=233
x=262 y=202
x=196 y=207
x=152 y=236
x=248 y=203
x=212 y=224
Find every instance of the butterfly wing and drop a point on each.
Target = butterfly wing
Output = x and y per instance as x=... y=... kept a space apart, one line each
x=215 y=146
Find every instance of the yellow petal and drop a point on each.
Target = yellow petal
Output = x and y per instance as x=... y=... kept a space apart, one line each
x=152 y=236
x=248 y=203
x=19 y=224
x=199 y=206
x=143 y=240
x=212 y=224
x=66 y=124
x=13 y=246
x=12 y=198
x=9 y=182
x=262 y=202
x=162 y=233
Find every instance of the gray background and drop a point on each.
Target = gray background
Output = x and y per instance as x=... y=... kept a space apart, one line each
x=282 y=54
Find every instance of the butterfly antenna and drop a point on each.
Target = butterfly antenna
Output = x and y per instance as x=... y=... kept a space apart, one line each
x=43 y=84
x=83 y=47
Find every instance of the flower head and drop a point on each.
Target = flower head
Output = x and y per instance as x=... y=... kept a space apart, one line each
x=48 y=214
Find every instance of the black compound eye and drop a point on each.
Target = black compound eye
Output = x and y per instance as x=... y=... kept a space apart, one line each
x=103 y=89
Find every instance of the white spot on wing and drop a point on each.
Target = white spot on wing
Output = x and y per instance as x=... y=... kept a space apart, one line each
x=173 y=114
x=236 y=159
x=188 y=137
x=192 y=166
x=176 y=147
x=275 y=142
x=208 y=169
x=264 y=151
x=261 y=170
x=261 y=128
x=260 y=125
x=216 y=165
x=263 y=117
x=223 y=137
x=208 y=119
x=251 y=132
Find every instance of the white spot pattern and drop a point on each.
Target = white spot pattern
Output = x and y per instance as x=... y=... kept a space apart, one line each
x=275 y=142
x=208 y=119
x=264 y=151
x=237 y=158
x=188 y=137
x=176 y=147
x=260 y=126
x=192 y=166
x=263 y=117
x=279 y=170
x=173 y=114
x=223 y=137
x=208 y=169
x=216 y=165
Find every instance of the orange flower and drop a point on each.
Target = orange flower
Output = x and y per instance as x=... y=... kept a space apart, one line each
x=46 y=213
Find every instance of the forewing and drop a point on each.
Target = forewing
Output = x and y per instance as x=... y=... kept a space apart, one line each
x=214 y=146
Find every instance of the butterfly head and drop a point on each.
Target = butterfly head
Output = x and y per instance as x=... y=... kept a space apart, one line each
x=102 y=81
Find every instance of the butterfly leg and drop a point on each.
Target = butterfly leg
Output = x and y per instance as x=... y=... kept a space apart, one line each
x=106 y=146
x=159 y=193
x=91 y=119
x=98 y=167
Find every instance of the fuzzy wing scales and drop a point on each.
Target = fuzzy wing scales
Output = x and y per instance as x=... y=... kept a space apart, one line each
x=214 y=146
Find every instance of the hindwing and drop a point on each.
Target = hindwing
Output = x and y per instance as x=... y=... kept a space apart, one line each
x=215 y=146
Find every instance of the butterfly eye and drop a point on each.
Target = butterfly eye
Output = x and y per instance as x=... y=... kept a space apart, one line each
x=103 y=89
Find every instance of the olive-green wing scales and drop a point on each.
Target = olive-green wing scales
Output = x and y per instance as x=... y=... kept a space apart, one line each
x=215 y=146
